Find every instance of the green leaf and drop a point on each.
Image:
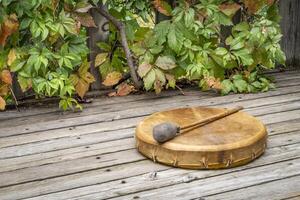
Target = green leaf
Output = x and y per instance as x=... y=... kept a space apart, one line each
x=245 y=56
x=227 y=87
x=156 y=50
x=189 y=17
x=149 y=79
x=243 y=26
x=165 y=63
x=175 y=39
x=17 y=65
x=221 y=51
x=237 y=46
x=104 y=46
x=223 y=19
x=160 y=76
x=240 y=84
x=161 y=31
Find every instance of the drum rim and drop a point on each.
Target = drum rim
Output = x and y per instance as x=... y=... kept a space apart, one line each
x=262 y=133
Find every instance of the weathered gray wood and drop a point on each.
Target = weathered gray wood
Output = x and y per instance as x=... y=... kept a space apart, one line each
x=182 y=184
x=142 y=172
x=123 y=142
x=198 y=187
x=289 y=187
x=33 y=163
x=41 y=136
x=290 y=24
x=81 y=163
x=105 y=102
x=163 y=104
x=95 y=35
x=47 y=144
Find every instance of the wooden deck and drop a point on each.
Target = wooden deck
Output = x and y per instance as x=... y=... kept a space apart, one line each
x=47 y=154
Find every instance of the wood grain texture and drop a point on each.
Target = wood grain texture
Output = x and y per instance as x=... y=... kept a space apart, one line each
x=290 y=25
x=91 y=155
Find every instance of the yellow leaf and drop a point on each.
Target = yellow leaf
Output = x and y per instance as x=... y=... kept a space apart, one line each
x=11 y=57
x=100 y=59
x=74 y=79
x=6 y=77
x=88 y=77
x=2 y=103
x=112 y=79
x=25 y=83
x=143 y=69
x=4 y=89
x=82 y=87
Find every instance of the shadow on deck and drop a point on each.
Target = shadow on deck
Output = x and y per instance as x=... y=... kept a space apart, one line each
x=47 y=154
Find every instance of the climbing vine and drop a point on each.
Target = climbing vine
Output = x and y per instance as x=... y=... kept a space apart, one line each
x=219 y=44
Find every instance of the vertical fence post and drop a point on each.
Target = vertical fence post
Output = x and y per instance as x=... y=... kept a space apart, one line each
x=290 y=25
x=95 y=35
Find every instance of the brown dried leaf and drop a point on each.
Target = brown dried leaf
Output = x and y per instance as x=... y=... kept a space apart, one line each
x=2 y=103
x=11 y=57
x=54 y=4
x=229 y=9
x=85 y=19
x=82 y=87
x=254 y=5
x=214 y=83
x=112 y=79
x=124 y=89
x=6 y=77
x=157 y=86
x=9 y=26
x=163 y=7
x=270 y=2
x=112 y=94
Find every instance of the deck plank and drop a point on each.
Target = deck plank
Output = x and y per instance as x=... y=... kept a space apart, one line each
x=136 y=175
x=85 y=140
x=91 y=154
x=289 y=188
x=103 y=107
x=281 y=79
x=135 y=109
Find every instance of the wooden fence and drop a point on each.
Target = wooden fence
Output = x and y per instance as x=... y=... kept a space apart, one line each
x=290 y=24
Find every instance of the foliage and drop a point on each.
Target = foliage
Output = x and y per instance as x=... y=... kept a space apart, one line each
x=42 y=42
x=190 y=45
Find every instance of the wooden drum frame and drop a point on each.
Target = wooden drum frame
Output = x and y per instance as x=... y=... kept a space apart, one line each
x=229 y=142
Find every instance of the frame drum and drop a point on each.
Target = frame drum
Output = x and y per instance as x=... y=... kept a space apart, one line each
x=228 y=142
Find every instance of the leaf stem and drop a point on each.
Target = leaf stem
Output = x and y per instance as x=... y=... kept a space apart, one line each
x=121 y=28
